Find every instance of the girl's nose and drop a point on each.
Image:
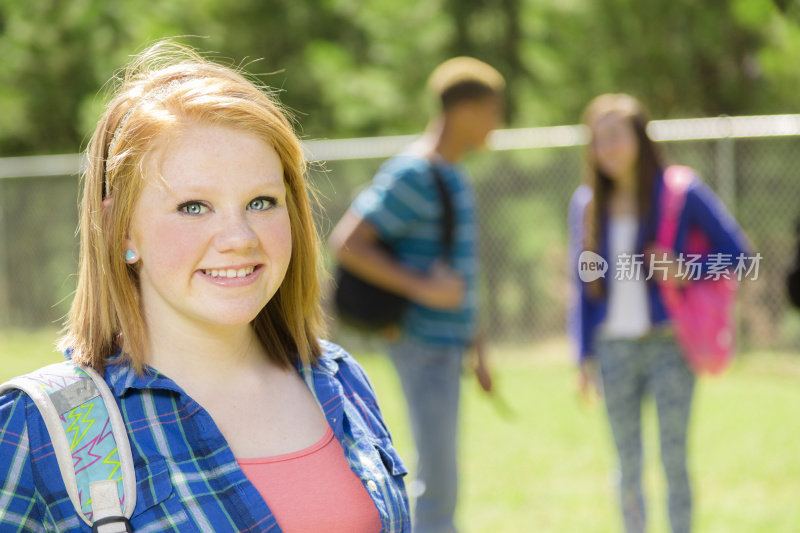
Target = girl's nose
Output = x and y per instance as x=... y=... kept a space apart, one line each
x=235 y=234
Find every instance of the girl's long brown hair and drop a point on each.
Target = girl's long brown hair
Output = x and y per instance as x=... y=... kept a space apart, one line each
x=649 y=164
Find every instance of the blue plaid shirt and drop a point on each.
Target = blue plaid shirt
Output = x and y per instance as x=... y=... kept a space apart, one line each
x=187 y=476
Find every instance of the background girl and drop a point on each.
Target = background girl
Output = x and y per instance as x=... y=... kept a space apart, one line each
x=619 y=322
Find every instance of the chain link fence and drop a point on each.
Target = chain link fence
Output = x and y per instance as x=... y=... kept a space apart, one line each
x=523 y=185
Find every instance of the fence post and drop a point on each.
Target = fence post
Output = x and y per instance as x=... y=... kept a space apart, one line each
x=726 y=170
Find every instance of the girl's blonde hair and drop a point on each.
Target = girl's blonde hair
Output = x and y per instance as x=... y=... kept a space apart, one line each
x=164 y=86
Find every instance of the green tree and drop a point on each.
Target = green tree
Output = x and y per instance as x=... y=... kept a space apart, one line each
x=358 y=68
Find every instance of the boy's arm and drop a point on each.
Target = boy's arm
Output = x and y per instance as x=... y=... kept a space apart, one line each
x=354 y=242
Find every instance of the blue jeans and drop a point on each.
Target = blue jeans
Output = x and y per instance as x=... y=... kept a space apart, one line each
x=430 y=377
x=629 y=368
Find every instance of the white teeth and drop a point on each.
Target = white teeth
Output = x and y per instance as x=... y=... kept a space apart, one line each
x=230 y=272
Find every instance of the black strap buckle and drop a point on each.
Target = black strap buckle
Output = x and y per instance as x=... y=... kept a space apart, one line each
x=113 y=520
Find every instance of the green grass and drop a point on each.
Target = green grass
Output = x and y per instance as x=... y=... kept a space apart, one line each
x=547 y=467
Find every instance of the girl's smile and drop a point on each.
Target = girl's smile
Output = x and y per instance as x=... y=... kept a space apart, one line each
x=231 y=276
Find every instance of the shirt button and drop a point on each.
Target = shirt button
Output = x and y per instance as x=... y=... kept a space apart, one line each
x=372 y=486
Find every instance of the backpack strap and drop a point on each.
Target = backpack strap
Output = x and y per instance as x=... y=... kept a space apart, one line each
x=677 y=179
x=89 y=439
x=448 y=213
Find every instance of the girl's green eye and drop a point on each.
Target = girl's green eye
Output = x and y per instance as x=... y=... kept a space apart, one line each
x=261 y=203
x=192 y=208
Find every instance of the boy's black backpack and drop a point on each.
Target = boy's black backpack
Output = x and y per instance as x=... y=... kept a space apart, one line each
x=369 y=308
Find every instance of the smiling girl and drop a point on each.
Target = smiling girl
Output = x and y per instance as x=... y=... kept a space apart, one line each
x=198 y=303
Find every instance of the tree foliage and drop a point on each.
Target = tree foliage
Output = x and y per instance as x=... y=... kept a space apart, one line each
x=351 y=68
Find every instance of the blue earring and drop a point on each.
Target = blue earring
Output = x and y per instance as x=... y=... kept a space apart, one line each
x=130 y=255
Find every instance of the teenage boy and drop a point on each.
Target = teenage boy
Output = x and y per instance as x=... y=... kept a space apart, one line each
x=403 y=207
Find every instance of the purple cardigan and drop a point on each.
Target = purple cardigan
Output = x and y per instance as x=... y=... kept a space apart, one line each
x=703 y=209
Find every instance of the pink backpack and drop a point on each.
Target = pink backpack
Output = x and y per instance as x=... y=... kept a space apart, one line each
x=701 y=310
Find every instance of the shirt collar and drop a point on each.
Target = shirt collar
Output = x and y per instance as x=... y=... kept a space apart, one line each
x=327 y=362
x=321 y=379
x=121 y=377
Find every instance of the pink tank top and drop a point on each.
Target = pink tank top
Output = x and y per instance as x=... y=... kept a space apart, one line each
x=313 y=490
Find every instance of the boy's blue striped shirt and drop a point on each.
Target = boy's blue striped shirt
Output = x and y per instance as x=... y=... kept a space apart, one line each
x=187 y=476
x=405 y=207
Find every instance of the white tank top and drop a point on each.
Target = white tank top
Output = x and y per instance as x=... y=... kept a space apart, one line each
x=628 y=311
